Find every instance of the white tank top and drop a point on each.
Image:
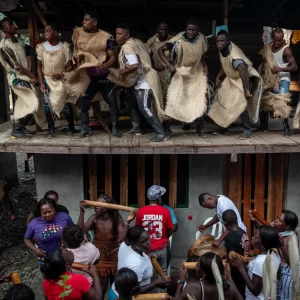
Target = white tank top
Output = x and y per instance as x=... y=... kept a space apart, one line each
x=278 y=58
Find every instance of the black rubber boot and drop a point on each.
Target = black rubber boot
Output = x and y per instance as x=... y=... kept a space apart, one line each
x=27 y=132
x=51 y=124
x=135 y=121
x=167 y=127
x=17 y=132
x=247 y=131
x=85 y=131
x=70 y=119
x=264 y=122
x=200 y=127
x=51 y=134
x=114 y=117
x=286 y=128
x=158 y=128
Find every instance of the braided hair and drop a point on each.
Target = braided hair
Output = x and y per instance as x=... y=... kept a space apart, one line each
x=72 y=236
x=113 y=213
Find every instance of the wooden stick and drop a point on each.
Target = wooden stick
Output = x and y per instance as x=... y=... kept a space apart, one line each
x=156 y=296
x=190 y=265
x=39 y=14
x=109 y=206
x=80 y=267
x=258 y=217
x=235 y=255
x=15 y=278
x=158 y=268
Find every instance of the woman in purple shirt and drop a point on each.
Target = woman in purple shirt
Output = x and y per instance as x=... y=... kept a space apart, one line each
x=46 y=230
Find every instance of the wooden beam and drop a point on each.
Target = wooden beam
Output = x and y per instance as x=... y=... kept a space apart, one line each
x=141 y=180
x=38 y=13
x=156 y=169
x=108 y=174
x=259 y=194
x=173 y=181
x=124 y=179
x=30 y=24
x=277 y=8
x=247 y=192
x=226 y=12
x=234 y=185
x=93 y=176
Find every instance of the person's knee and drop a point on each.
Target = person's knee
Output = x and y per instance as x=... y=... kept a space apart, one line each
x=84 y=104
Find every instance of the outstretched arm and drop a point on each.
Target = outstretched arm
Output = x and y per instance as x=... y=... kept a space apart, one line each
x=161 y=53
x=85 y=227
x=244 y=74
x=215 y=220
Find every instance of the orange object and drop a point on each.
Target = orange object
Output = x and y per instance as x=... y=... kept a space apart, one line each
x=80 y=267
x=258 y=217
x=158 y=268
x=109 y=206
x=190 y=265
x=15 y=278
x=235 y=255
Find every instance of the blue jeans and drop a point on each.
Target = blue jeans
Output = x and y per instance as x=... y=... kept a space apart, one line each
x=284 y=87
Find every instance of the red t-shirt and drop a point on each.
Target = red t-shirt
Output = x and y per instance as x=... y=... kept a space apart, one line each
x=156 y=220
x=76 y=285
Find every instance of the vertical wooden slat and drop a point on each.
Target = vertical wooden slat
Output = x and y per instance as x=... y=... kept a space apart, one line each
x=247 y=192
x=108 y=175
x=259 y=193
x=141 y=180
x=156 y=169
x=275 y=185
x=93 y=176
x=225 y=12
x=173 y=181
x=234 y=181
x=124 y=179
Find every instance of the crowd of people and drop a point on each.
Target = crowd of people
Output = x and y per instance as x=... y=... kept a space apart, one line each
x=164 y=79
x=116 y=256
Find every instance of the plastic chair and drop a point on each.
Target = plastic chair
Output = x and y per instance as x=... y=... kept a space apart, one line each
x=213 y=230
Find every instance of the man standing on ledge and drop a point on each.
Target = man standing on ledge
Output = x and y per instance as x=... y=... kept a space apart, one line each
x=100 y=44
x=20 y=79
x=134 y=58
x=221 y=203
x=157 y=222
x=235 y=80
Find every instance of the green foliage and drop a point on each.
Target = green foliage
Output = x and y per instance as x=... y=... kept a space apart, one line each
x=67 y=288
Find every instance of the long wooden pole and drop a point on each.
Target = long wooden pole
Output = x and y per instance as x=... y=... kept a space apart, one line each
x=109 y=206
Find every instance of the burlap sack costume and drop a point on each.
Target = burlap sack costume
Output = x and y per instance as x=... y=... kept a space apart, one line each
x=186 y=100
x=278 y=104
x=154 y=44
x=137 y=47
x=89 y=51
x=54 y=63
x=28 y=99
x=229 y=101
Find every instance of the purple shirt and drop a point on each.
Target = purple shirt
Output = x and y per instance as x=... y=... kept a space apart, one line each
x=47 y=234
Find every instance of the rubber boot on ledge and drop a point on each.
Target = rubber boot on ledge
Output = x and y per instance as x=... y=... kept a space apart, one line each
x=158 y=128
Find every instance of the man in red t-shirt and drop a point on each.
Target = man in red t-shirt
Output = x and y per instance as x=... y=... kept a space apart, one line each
x=157 y=222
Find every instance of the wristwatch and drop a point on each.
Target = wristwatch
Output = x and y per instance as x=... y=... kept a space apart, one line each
x=180 y=281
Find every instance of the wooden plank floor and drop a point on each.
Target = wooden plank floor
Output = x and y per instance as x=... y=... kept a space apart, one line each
x=181 y=142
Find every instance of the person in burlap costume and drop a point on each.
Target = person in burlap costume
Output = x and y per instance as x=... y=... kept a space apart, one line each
x=275 y=71
x=20 y=79
x=233 y=98
x=134 y=59
x=54 y=58
x=154 y=43
x=186 y=96
x=97 y=48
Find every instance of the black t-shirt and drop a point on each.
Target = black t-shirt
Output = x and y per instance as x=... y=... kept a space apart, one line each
x=238 y=242
x=59 y=208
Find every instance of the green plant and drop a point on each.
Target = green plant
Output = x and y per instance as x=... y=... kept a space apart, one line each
x=67 y=288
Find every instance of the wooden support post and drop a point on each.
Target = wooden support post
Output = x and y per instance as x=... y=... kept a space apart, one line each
x=38 y=13
x=156 y=169
x=124 y=179
x=259 y=194
x=234 y=184
x=173 y=181
x=141 y=180
x=108 y=175
x=247 y=192
x=93 y=176
x=226 y=12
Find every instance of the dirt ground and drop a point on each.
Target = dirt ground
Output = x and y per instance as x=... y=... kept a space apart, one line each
x=15 y=255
